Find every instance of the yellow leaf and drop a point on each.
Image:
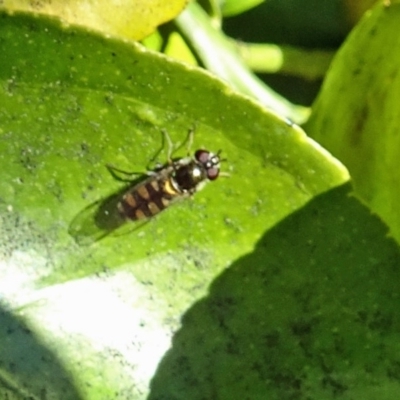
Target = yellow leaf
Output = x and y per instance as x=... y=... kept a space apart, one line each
x=131 y=19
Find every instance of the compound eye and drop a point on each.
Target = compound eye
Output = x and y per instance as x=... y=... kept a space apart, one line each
x=212 y=173
x=202 y=156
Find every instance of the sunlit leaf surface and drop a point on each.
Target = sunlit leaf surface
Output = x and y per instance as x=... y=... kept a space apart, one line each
x=132 y=19
x=73 y=102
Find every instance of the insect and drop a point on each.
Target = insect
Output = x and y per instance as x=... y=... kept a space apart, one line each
x=176 y=180
x=146 y=197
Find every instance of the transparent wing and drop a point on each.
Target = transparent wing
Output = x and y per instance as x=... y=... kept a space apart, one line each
x=101 y=218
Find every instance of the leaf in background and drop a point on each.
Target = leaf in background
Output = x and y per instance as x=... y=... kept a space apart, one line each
x=356 y=115
x=234 y=7
x=72 y=102
x=356 y=8
x=132 y=19
x=220 y=56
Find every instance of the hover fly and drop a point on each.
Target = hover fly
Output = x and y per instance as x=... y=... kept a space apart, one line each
x=147 y=196
x=174 y=181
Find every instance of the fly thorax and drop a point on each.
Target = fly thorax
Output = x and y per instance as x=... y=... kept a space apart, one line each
x=189 y=176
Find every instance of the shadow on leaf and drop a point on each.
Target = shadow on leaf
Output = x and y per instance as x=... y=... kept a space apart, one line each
x=28 y=368
x=311 y=313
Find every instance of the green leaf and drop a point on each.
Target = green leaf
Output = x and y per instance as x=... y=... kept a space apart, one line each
x=220 y=56
x=356 y=115
x=72 y=102
x=26 y=364
x=311 y=313
x=234 y=7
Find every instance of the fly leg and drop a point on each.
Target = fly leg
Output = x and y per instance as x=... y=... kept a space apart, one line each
x=126 y=176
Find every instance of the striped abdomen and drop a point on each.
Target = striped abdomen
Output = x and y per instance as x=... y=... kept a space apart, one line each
x=148 y=198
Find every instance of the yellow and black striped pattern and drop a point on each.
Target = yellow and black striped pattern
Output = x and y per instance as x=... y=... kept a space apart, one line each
x=148 y=198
